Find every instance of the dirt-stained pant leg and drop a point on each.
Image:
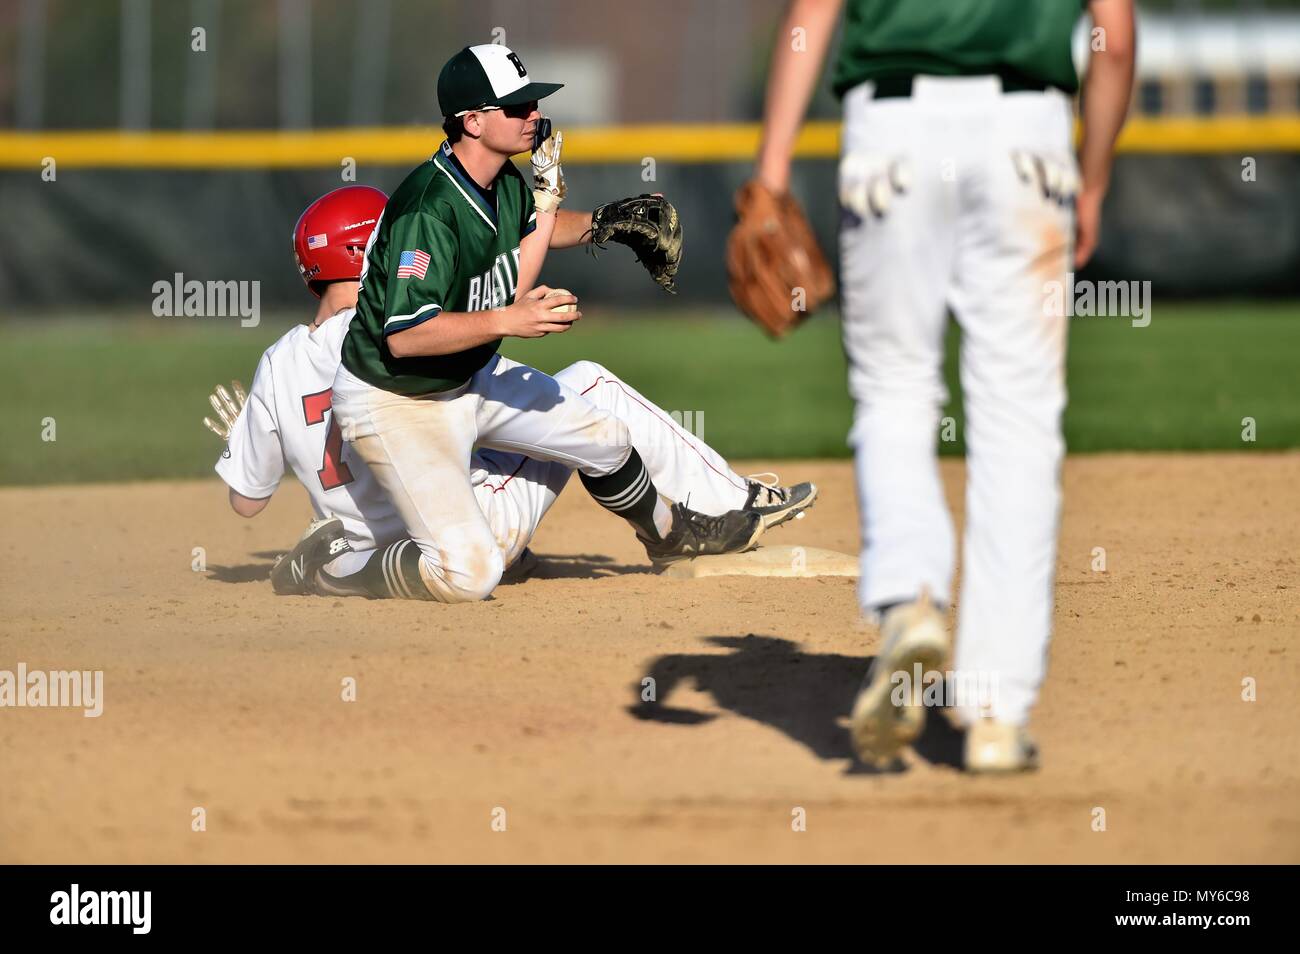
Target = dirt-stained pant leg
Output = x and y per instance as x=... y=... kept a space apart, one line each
x=896 y=263
x=680 y=463
x=419 y=450
x=515 y=494
x=945 y=217
x=1015 y=243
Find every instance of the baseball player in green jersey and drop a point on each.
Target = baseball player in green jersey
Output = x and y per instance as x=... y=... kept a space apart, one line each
x=960 y=190
x=450 y=271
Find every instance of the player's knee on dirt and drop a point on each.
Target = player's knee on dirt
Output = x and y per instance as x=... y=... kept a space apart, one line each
x=405 y=571
x=467 y=575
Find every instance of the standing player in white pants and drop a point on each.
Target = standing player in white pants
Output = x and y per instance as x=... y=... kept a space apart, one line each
x=357 y=543
x=958 y=189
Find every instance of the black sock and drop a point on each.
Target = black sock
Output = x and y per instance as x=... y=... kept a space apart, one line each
x=628 y=492
x=391 y=573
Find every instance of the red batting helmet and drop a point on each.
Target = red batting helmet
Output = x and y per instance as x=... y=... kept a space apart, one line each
x=329 y=241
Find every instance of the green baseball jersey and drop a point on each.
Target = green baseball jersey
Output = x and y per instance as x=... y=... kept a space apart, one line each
x=1025 y=39
x=443 y=244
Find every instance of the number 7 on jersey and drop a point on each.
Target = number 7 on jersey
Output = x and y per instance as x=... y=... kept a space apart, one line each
x=333 y=472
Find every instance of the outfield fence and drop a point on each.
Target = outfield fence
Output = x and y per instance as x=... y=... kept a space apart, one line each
x=1207 y=206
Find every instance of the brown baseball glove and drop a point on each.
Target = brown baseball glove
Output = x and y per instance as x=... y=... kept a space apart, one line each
x=777 y=272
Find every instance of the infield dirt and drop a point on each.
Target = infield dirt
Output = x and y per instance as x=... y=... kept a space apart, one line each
x=220 y=696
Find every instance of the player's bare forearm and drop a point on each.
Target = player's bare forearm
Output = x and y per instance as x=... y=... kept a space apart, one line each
x=532 y=253
x=791 y=80
x=448 y=332
x=531 y=316
x=1106 y=91
x=571 y=228
x=561 y=229
x=1107 y=88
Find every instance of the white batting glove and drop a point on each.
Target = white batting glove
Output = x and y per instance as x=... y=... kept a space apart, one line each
x=548 y=177
x=869 y=183
x=1056 y=180
x=227 y=408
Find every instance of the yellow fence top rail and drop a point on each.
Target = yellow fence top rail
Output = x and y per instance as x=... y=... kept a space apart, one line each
x=613 y=144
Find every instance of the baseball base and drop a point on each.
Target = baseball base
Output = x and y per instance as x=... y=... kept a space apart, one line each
x=767 y=561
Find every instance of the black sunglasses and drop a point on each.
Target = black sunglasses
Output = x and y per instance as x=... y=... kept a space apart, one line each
x=520 y=111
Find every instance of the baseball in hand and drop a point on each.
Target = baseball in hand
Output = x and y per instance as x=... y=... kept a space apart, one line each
x=554 y=292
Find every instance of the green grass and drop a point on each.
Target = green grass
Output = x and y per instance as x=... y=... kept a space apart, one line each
x=128 y=395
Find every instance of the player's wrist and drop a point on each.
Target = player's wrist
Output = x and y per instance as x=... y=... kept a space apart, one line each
x=773 y=174
x=547 y=203
x=1092 y=193
x=499 y=323
x=582 y=225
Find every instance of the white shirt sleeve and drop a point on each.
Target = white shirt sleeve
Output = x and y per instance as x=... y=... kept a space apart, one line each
x=253 y=461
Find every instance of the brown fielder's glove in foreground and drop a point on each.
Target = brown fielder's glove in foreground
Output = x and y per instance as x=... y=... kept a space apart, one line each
x=772 y=253
x=648 y=225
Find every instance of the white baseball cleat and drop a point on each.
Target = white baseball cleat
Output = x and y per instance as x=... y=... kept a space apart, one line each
x=993 y=746
x=888 y=713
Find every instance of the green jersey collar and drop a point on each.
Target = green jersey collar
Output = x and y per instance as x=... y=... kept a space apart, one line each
x=482 y=201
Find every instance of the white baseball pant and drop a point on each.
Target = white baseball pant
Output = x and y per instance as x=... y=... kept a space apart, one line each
x=419 y=451
x=945 y=207
x=471 y=520
x=515 y=492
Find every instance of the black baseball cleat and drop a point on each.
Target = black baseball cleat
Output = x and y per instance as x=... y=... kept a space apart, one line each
x=777 y=504
x=294 y=574
x=694 y=534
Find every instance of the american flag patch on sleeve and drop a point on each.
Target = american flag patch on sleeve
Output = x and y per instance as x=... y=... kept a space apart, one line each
x=413 y=264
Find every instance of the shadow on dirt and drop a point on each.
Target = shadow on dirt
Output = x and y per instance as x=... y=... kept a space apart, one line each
x=241 y=573
x=771 y=680
x=584 y=566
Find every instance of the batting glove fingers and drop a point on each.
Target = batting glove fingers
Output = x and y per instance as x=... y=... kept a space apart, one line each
x=227 y=407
